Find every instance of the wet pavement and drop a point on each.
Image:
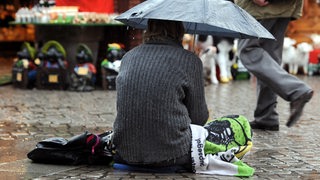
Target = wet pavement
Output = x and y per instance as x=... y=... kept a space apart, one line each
x=28 y=116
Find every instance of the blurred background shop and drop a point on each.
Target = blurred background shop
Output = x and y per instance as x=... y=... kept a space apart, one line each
x=92 y=23
x=67 y=22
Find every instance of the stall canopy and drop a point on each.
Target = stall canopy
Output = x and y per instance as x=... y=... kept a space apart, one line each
x=99 y=6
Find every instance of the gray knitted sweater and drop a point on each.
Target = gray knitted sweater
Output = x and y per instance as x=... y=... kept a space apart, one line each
x=160 y=91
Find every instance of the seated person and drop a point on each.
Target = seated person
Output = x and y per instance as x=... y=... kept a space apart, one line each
x=160 y=92
x=111 y=64
x=54 y=59
x=84 y=73
x=53 y=55
x=113 y=60
x=25 y=60
x=52 y=71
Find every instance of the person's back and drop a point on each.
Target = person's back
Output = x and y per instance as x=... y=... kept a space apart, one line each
x=160 y=92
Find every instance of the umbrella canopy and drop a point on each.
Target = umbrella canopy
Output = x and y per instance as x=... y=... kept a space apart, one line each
x=208 y=17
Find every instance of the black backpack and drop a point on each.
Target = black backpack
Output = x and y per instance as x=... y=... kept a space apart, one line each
x=86 y=148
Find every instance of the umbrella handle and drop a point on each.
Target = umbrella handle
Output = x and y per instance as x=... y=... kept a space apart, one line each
x=194 y=38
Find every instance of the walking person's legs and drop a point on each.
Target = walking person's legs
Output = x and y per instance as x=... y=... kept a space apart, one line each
x=263 y=58
x=266 y=112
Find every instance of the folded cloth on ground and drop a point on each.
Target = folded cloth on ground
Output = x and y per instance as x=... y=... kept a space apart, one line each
x=218 y=146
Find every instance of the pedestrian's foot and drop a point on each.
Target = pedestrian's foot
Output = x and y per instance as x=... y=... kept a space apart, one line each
x=256 y=125
x=297 y=106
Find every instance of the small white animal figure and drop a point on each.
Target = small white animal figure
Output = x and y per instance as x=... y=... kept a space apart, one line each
x=215 y=55
x=223 y=57
x=207 y=57
x=315 y=40
x=301 y=58
x=288 y=53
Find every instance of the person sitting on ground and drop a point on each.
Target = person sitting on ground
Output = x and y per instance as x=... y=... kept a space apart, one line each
x=160 y=92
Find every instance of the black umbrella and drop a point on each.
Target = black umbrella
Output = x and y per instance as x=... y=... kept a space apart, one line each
x=211 y=17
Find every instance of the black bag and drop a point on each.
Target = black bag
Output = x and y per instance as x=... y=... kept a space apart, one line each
x=86 y=148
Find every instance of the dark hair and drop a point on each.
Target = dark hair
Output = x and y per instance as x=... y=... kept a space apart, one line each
x=160 y=30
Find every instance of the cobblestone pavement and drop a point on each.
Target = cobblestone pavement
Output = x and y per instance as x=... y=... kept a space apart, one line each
x=28 y=116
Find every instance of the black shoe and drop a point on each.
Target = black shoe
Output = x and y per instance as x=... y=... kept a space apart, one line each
x=255 y=125
x=296 y=107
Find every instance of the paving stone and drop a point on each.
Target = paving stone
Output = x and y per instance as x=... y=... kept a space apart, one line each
x=28 y=116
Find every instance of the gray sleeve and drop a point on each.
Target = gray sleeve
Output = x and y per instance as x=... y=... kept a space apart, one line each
x=195 y=95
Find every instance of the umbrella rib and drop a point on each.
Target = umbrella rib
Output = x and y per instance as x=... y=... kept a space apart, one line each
x=205 y=9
